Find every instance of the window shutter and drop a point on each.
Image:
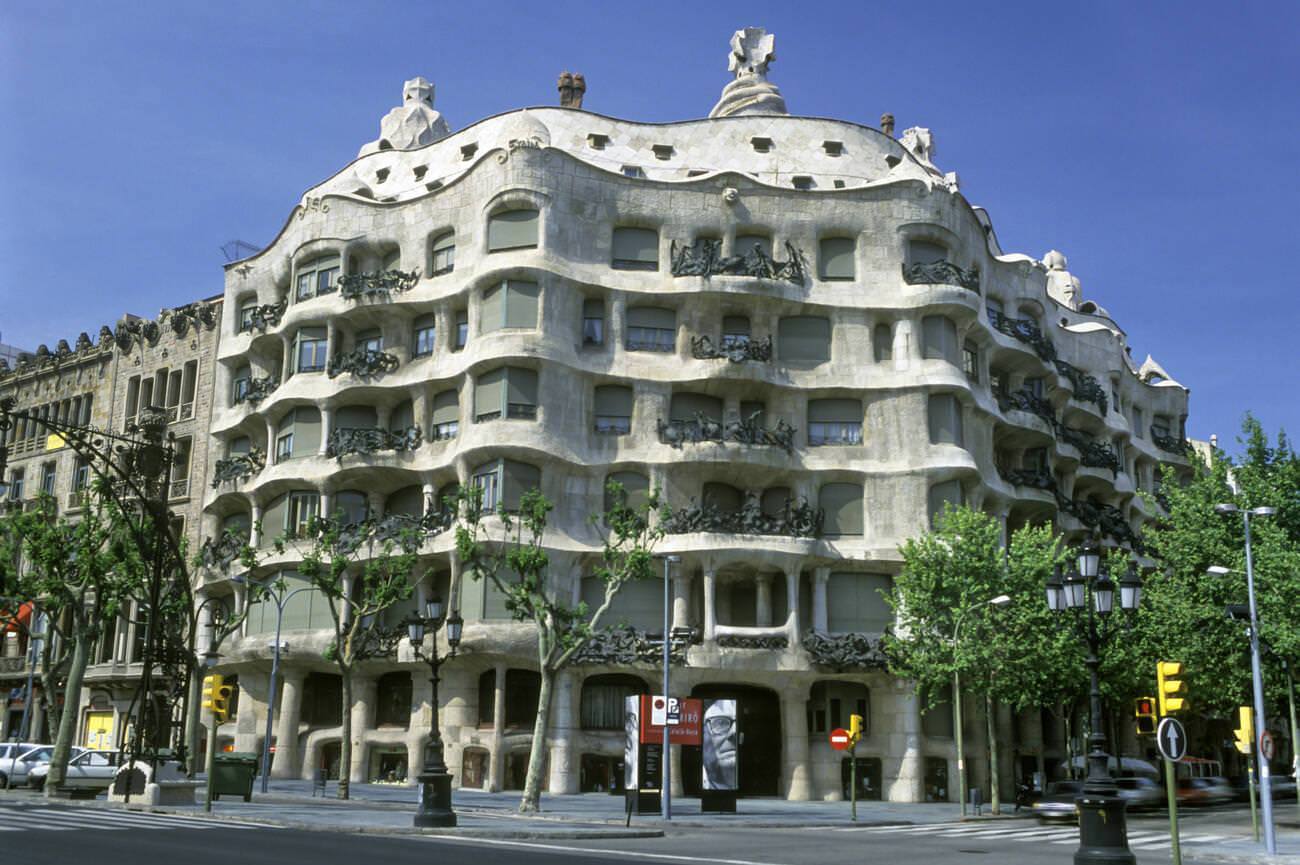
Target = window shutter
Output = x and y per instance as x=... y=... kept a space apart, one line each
x=273 y=517
x=636 y=489
x=854 y=603
x=518 y=479
x=652 y=316
x=593 y=307
x=426 y=321
x=639 y=245
x=945 y=419
x=939 y=338
x=737 y=324
x=446 y=407
x=835 y=411
x=522 y=385
x=392 y=261
x=925 y=252
x=843 y=506
x=804 y=339
x=491 y=312
x=745 y=244
x=306 y=431
x=241 y=445
x=835 y=256
x=614 y=400
x=305 y=333
x=774 y=500
x=490 y=392
x=947 y=492
x=521 y=304
x=685 y=406
x=402 y=417
x=512 y=229
x=355 y=417
x=724 y=497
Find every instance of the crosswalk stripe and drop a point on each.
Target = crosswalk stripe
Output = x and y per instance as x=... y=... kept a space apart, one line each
x=103 y=820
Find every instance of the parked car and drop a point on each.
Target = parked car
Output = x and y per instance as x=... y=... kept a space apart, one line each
x=89 y=770
x=1204 y=791
x=1140 y=792
x=9 y=753
x=1058 y=802
x=17 y=764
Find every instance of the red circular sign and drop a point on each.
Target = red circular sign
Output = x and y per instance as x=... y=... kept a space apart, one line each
x=840 y=739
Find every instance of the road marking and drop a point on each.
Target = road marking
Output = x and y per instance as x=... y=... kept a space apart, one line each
x=108 y=820
x=592 y=851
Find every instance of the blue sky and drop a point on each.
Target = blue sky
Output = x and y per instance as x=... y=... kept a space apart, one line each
x=1156 y=145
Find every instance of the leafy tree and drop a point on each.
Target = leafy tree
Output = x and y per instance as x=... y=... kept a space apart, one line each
x=515 y=562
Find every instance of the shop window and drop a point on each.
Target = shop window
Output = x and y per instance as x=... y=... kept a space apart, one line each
x=831 y=702
x=322 y=700
x=522 y=689
x=393 y=700
x=487 y=698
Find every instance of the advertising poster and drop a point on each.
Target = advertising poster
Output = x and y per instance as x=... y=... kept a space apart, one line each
x=721 y=742
x=631 y=742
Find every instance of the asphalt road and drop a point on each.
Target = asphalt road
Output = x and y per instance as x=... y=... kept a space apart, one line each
x=53 y=834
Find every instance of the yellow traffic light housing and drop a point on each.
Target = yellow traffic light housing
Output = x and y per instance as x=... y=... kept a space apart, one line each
x=221 y=702
x=855 y=729
x=1144 y=709
x=1245 y=732
x=1172 y=689
x=211 y=685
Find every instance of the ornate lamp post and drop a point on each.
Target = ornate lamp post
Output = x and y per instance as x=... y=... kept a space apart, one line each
x=1089 y=593
x=435 y=781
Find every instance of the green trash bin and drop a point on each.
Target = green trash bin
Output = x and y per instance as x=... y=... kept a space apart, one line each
x=233 y=773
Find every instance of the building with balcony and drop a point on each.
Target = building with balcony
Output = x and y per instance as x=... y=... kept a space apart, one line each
x=797 y=329
x=103 y=383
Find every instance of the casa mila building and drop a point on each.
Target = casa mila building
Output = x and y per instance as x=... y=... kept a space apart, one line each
x=797 y=329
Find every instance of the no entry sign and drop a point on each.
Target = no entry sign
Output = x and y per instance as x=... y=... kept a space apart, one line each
x=840 y=740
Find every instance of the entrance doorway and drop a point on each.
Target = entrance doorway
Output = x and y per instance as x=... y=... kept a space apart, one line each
x=758 y=713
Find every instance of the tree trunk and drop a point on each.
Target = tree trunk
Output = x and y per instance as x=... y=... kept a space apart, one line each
x=68 y=717
x=537 y=753
x=345 y=744
x=990 y=713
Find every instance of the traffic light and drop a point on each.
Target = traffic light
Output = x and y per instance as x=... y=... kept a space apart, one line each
x=1173 y=690
x=855 y=729
x=216 y=696
x=1144 y=709
x=1245 y=732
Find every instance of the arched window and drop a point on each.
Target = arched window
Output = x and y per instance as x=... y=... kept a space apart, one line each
x=446 y=416
x=442 y=254
x=512 y=229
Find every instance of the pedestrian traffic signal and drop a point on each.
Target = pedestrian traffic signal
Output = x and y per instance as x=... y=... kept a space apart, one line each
x=855 y=729
x=1173 y=690
x=1245 y=732
x=1144 y=710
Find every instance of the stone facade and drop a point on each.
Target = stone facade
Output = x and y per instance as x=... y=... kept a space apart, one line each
x=103 y=383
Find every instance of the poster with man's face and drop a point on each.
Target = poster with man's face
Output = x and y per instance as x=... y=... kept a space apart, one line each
x=631 y=741
x=721 y=744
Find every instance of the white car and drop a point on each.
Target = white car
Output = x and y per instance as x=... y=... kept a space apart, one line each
x=89 y=770
x=19 y=761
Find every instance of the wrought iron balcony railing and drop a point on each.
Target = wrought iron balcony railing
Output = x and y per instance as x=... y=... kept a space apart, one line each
x=942 y=273
x=705 y=258
x=348 y=440
x=796 y=521
x=376 y=285
x=363 y=363
x=238 y=467
x=744 y=431
x=736 y=350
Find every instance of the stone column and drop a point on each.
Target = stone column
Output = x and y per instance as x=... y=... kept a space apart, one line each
x=796 y=774
x=255 y=534
x=248 y=724
x=792 y=605
x=326 y=502
x=290 y=362
x=682 y=598
x=270 y=442
x=287 y=762
x=821 y=576
x=763 y=600
x=905 y=741
x=563 y=762
x=496 y=753
x=710 y=604
x=326 y=428
x=364 y=692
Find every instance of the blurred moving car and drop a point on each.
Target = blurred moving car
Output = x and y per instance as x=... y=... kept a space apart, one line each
x=17 y=763
x=1204 y=791
x=89 y=770
x=1058 y=802
x=1140 y=792
x=1283 y=786
x=9 y=753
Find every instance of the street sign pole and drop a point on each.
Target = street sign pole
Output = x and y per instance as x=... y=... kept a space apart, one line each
x=1171 y=785
x=853 y=780
x=1171 y=740
x=212 y=759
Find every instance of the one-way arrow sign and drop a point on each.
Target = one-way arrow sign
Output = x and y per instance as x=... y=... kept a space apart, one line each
x=1171 y=738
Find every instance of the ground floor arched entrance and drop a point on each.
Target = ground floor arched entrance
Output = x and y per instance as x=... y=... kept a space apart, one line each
x=758 y=712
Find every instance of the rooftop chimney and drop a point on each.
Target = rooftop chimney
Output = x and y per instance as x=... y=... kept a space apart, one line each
x=887 y=124
x=571 y=87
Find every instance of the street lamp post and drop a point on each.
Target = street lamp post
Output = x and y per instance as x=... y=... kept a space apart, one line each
x=665 y=792
x=999 y=601
x=435 y=808
x=1103 y=835
x=1256 y=672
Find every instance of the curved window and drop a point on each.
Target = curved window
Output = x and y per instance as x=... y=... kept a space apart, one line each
x=834 y=422
x=842 y=504
x=426 y=329
x=316 y=277
x=925 y=252
x=442 y=254
x=651 y=328
x=310 y=349
x=508 y=391
x=512 y=304
x=945 y=419
x=504 y=482
x=804 y=340
x=512 y=229
x=835 y=258
x=298 y=434
x=939 y=339
x=635 y=249
x=613 y=414
x=855 y=603
x=942 y=495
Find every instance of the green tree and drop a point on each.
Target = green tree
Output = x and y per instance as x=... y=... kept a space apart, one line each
x=513 y=559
